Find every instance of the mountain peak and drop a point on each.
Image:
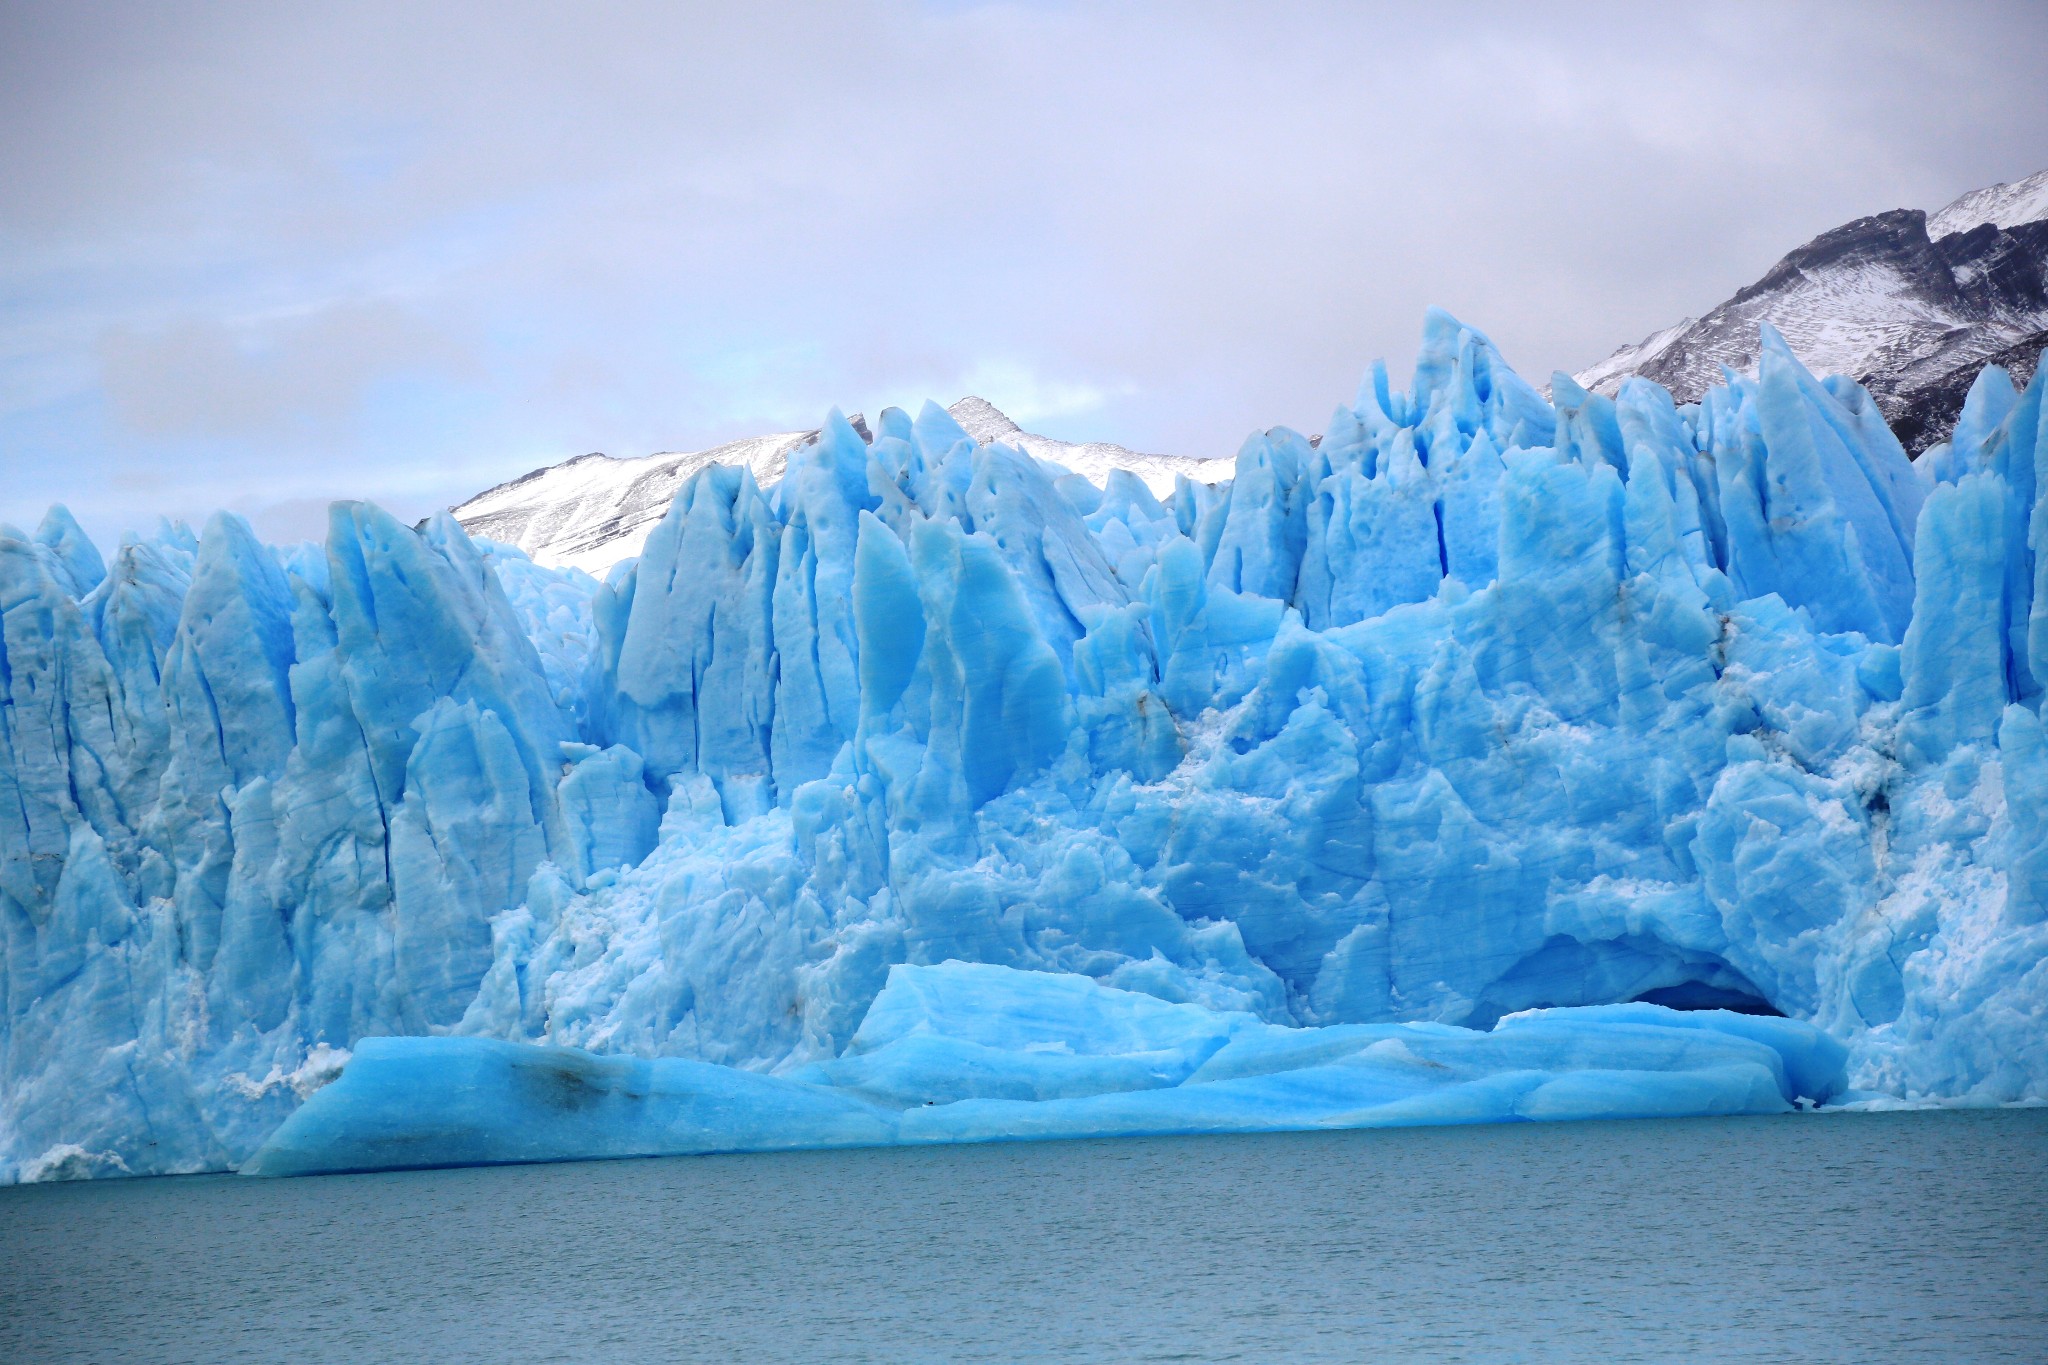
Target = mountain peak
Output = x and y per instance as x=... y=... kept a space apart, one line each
x=982 y=420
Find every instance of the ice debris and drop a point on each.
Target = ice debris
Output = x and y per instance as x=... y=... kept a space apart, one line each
x=1479 y=704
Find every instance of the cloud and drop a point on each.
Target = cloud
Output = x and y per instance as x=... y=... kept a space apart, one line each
x=266 y=376
x=1027 y=397
x=261 y=255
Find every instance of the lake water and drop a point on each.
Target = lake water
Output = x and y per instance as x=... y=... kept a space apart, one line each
x=1873 y=1237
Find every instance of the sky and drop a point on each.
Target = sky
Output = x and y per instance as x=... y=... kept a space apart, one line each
x=263 y=256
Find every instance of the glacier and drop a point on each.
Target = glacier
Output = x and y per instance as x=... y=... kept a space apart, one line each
x=1487 y=757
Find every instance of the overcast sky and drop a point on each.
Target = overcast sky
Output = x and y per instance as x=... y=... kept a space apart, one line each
x=261 y=256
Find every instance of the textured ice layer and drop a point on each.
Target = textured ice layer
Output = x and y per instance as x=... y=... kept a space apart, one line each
x=974 y=1053
x=1479 y=704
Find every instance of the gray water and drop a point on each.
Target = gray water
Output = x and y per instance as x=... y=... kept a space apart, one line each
x=1810 y=1238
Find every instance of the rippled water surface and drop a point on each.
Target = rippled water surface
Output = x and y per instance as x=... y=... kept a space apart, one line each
x=1866 y=1237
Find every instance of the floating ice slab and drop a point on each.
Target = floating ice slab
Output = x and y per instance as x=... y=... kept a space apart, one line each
x=973 y=1053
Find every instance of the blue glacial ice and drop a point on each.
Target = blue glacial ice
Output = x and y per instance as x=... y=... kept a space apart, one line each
x=935 y=773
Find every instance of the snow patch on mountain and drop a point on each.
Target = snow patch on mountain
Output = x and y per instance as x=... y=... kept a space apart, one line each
x=2004 y=206
x=1606 y=376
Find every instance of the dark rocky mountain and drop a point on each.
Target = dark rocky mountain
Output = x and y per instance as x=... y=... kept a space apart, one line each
x=1911 y=305
x=1928 y=412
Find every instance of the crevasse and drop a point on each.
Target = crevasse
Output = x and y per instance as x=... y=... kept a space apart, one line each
x=1478 y=704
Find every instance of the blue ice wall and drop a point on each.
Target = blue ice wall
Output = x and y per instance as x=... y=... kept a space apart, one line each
x=1482 y=702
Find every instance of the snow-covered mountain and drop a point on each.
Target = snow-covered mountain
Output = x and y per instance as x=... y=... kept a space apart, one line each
x=593 y=511
x=1910 y=304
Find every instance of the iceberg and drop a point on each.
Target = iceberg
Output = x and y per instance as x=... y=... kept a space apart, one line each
x=1489 y=756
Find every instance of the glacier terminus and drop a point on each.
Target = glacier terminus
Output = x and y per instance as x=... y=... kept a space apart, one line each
x=1488 y=757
